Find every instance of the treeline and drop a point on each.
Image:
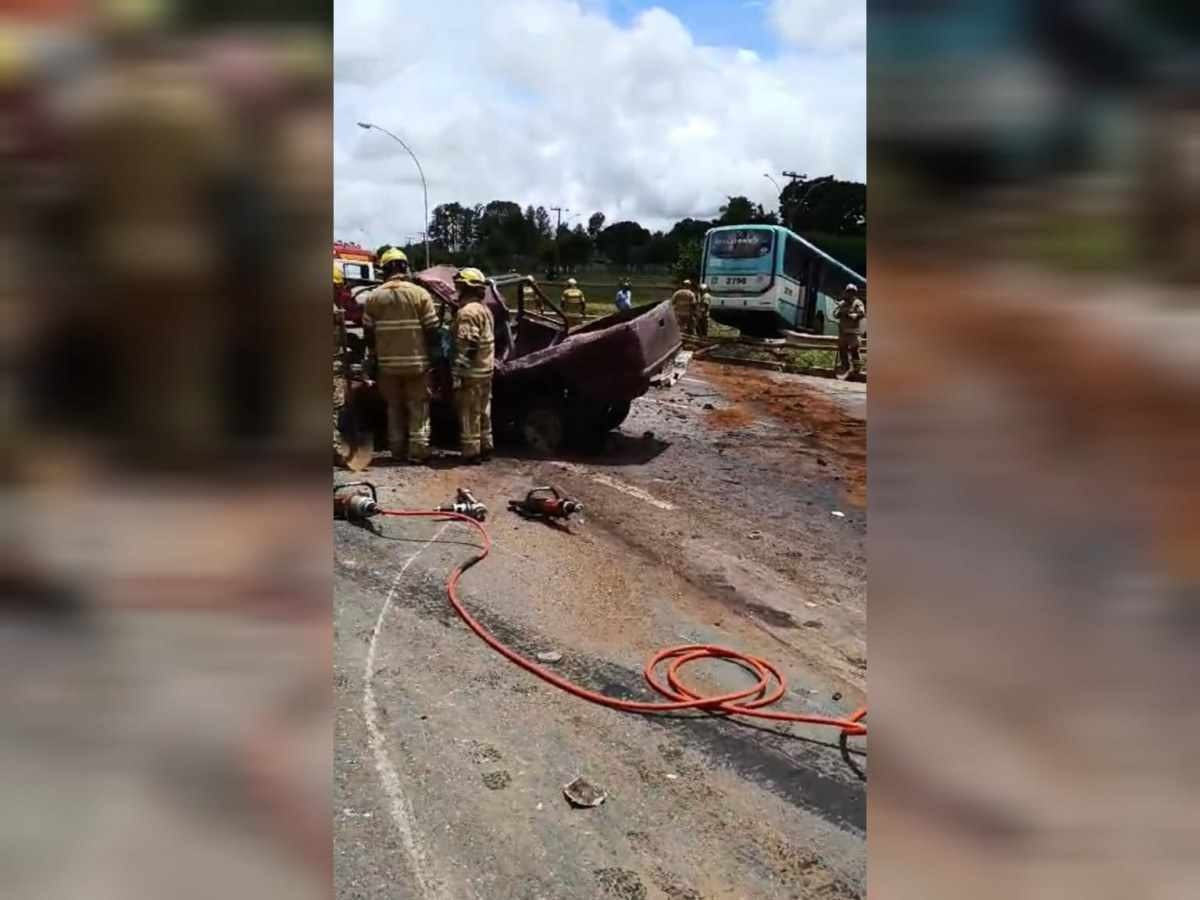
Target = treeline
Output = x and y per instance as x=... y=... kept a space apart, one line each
x=500 y=235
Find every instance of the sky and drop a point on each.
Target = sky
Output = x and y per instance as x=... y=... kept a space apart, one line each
x=644 y=111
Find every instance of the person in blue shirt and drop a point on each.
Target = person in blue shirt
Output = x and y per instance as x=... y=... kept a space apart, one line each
x=624 y=299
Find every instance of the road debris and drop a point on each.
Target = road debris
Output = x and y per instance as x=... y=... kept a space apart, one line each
x=670 y=376
x=583 y=794
x=755 y=535
x=550 y=656
x=839 y=514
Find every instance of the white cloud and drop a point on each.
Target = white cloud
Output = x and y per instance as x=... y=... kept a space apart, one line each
x=822 y=24
x=547 y=102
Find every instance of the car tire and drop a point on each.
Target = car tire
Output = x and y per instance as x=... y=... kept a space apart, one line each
x=543 y=429
x=615 y=414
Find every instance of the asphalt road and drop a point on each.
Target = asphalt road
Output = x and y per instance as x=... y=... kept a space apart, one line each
x=719 y=528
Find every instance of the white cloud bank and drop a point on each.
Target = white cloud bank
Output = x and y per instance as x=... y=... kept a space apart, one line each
x=547 y=103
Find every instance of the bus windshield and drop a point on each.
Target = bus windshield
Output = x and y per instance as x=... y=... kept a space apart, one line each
x=741 y=244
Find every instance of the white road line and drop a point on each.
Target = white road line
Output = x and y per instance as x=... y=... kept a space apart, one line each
x=401 y=810
x=618 y=485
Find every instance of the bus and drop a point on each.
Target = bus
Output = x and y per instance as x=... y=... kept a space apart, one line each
x=765 y=279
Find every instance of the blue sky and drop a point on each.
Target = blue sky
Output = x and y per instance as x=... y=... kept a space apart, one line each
x=727 y=23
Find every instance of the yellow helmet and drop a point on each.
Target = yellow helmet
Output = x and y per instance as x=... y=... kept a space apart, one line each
x=687 y=282
x=392 y=255
x=339 y=277
x=572 y=282
x=471 y=276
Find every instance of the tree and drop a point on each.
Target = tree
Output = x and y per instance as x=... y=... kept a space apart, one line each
x=619 y=241
x=687 y=261
x=825 y=205
x=595 y=224
x=452 y=226
x=500 y=233
x=741 y=211
x=541 y=219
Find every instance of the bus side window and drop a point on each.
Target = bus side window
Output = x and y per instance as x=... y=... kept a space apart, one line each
x=793 y=261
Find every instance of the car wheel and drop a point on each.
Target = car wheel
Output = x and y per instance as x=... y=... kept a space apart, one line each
x=543 y=430
x=615 y=414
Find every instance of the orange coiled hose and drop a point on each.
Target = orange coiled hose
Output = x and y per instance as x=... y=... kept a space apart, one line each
x=748 y=702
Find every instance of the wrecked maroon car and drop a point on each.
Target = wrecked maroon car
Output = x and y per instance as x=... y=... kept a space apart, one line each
x=554 y=385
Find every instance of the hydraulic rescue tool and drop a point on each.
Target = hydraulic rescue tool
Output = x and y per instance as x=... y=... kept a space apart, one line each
x=465 y=504
x=355 y=501
x=546 y=503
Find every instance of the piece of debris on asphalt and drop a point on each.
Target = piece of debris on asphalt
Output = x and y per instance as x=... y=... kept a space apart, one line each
x=813 y=623
x=709 y=406
x=839 y=514
x=549 y=656
x=583 y=794
x=754 y=535
x=647 y=435
x=810 y=604
x=671 y=776
x=837 y=696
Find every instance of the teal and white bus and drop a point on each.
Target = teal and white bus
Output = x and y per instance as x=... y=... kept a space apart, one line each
x=765 y=279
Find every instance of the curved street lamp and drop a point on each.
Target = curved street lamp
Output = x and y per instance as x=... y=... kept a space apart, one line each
x=367 y=126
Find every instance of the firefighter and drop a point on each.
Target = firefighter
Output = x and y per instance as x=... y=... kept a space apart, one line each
x=849 y=313
x=402 y=327
x=474 y=360
x=533 y=300
x=573 y=298
x=683 y=301
x=703 y=310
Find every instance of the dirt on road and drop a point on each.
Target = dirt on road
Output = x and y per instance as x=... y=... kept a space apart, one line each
x=451 y=761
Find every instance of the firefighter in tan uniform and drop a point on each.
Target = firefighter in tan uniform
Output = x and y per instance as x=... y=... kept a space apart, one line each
x=401 y=318
x=849 y=312
x=474 y=360
x=574 y=302
x=683 y=301
x=703 y=310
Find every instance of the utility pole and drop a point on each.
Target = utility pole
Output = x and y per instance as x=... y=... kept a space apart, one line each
x=557 y=229
x=793 y=175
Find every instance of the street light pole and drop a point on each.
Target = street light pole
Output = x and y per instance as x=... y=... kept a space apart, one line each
x=367 y=126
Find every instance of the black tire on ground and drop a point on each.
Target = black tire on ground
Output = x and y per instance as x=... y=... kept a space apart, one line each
x=615 y=414
x=543 y=428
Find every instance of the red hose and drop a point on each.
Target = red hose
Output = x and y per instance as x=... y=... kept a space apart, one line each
x=747 y=702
